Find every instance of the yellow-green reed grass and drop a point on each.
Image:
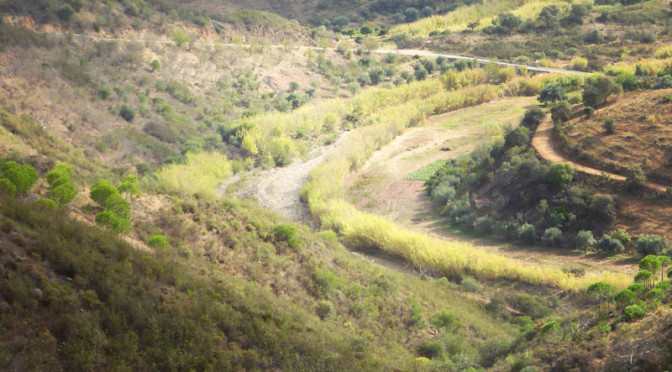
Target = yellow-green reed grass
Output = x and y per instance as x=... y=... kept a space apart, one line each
x=650 y=64
x=199 y=176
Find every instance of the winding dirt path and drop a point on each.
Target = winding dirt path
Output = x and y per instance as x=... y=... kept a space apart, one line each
x=545 y=145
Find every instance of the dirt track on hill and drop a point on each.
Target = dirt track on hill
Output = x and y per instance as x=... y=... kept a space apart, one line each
x=544 y=144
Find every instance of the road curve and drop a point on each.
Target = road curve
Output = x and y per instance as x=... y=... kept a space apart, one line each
x=543 y=143
x=404 y=52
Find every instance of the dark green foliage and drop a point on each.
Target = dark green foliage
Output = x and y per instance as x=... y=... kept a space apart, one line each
x=112 y=222
x=323 y=309
x=596 y=92
x=652 y=244
x=604 y=207
x=61 y=188
x=445 y=320
x=527 y=234
x=430 y=349
x=609 y=126
x=584 y=240
x=633 y=312
x=7 y=187
x=552 y=93
x=116 y=204
x=638 y=289
x=561 y=112
x=559 y=174
x=532 y=118
x=519 y=137
x=21 y=177
x=101 y=190
x=636 y=179
x=47 y=203
x=127 y=113
x=104 y=92
x=552 y=237
x=609 y=245
x=650 y=263
x=625 y=298
x=287 y=233
x=411 y=14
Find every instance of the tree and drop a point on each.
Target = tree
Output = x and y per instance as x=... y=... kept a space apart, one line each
x=651 y=263
x=577 y=14
x=519 y=137
x=180 y=37
x=127 y=113
x=341 y=21
x=609 y=125
x=665 y=261
x=552 y=237
x=532 y=118
x=597 y=92
x=472 y=25
x=411 y=14
x=651 y=244
x=101 y=190
x=644 y=277
x=119 y=206
x=445 y=320
x=601 y=291
x=603 y=207
x=426 y=12
x=548 y=16
x=625 y=298
x=584 y=239
x=559 y=174
x=561 y=112
x=527 y=234
x=112 y=222
x=366 y=30
x=635 y=178
x=552 y=93
x=609 y=244
x=21 y=176
x=7 y=187
x=129 y=188
x=62 y=190
x=507 y=22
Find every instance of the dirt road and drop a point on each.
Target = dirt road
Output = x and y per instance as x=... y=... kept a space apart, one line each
x=544 y=144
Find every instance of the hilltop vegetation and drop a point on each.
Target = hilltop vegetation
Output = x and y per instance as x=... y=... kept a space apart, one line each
x=119 y=121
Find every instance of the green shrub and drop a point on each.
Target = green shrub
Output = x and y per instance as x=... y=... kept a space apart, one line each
x=483 y=225
x=588 y=111
x=651 y=244
x=47 y=203
x=633 y=312
x=609 y=245
x=127 y=113
x=559 y=174
x=527 y=234
x=552 y=237
x=445 y=320
x=635 y=178
x=561 y=112
x=621 y=235
x=158 y=242
x=323 y=309
x=430 y=349
x=287 y=233
x=609 y=126
x=471 y=284
x=625 y=298
x=532 y=118
x=519 y=137
x=584 y=239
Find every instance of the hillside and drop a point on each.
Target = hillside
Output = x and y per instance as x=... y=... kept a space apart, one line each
x=271 y=185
